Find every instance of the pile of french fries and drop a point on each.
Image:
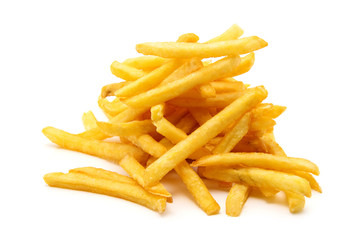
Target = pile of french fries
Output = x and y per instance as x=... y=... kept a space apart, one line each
x=177 y=108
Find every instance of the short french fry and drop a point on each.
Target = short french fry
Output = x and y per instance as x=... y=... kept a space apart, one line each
x=202 y=50
x=236 y=199
x=107 y=150
x=234 y=136
x=126 y=72
x=267 y=110
x=89 y=120
x=203 y=134
x=260 y=178
x=130 y=192
x=136 y=171
x=188 y=37
x=296 y=201
x=127 y=129
x=262 y=160
x=173 y=89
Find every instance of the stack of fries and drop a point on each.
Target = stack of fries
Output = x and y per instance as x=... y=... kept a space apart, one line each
x=178 y=110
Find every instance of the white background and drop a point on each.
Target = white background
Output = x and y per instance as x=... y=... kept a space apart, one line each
x=55 y=57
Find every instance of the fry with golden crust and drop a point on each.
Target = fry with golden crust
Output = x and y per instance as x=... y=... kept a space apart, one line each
x=236 y=199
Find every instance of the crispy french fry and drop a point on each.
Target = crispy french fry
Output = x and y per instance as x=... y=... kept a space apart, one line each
x=296 y=201
x=268 y=192
x=223 y=87
x=126 y=72
x=236 y=199
x=177 y=115
x=260 y=178
x=148 y=144
x=206 y=90
x=105 y=174
x=201 y=115
x=188 y=37
x=145 y=62
x=89 y=120
x=113 y=108
x=177 y=87
x=107 y=150
x=110 y=89
x=267 y=110
x=130 y=192
x=262 y=160
x=234 y=136
x=309 y=177
x=127 y=129
x=150 y=80
x=245 y=65
x=262 y=124
x=184 y=70
x=202 y=50
x=220 y=100
x=234 y=32
x=207 y=131
x=136 y=171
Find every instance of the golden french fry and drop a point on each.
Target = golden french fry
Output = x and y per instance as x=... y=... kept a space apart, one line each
x=184 y=70
x=245 y=65
x=110 y=89
x=267 y=110
x=150 y=80
x=107 y=150
x=202 y=50
x=220 y=100
x=260 y=178
x=148 y=144
x=126 y=72
x=234 y=136
x=234 y=32
x=145 y=62
x=296 y=201
x=188 y=37
x=268 y=192
x=201 y=115
x=173 y=89
x=177 y=115
x=111 y=109
x=89 y=120
x=250 y=144
x=105 y=174
x=261 y=124
x=130 y=192
x=206 y=90
x=127 y=129
x=203 y=134
x=223 y=87
x=309 y=177
x=236 y=199
x=136 y=171
x=262 y=160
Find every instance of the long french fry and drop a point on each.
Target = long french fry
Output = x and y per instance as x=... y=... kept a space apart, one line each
x=177 y=87
x=107 y=150
x=203 y=134
x=126 y=72
x=263 y=160
x=260 y=178
x=83 y=182
x=136 y=171
x=145 y=62
x=202 y=50
x=236 y=199
x=234 y=32
x=105 y=174
x=234 y=136
x=127 y=129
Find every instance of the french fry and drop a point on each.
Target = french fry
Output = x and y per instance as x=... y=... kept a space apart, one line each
x=234 y=136
x=236 y=199
x=234 y=32
x=219 y=101
x=263 y=160
x=268 y=192
x=177 y=87
x=89 y=120
x=309 y=177
x=267 y=110
x=201 y=115
x=136 y=171
x=127 y=129
x=148 y=144
x=105 y=174
x=262 y=124
x=260 y=178
x=130 y=192
x=126 y=72
x=106 y=150
x=110 y=89
x=188 y=37
x=145 y=62
x=206 y=90
x=113 y=108
x=202 y=50
x=150 y=80
x=223 y=87
x=296 y=201
x=245 y=65
x=209 y=130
